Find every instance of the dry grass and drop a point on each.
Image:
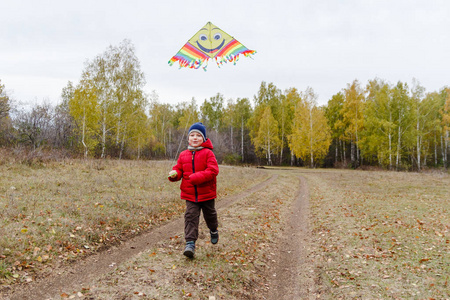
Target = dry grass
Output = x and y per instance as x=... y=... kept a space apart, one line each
x=374 y=235
x=381 y=235
x=236 y=268
x=55 y=212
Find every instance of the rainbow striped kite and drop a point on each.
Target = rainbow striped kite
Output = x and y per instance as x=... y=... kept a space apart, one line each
x=210 y=42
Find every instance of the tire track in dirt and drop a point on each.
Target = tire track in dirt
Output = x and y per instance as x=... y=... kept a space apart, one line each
x=80 y=273
x=292 y=276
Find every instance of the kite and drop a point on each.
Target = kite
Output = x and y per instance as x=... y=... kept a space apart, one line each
x=210 y=42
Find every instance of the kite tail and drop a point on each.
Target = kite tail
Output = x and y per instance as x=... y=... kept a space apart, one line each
x=192 y=64
x=234 y=57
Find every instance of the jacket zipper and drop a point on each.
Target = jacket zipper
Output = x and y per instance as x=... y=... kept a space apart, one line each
x=193 y=171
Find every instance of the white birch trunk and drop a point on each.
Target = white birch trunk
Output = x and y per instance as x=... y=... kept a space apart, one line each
x=390 y=149
x=418 y=141
x=435 y=150
x=231 y=135
x=84 y=134
x=268 y=150
x=356 y=137
x=103 y=136
x=397 y=161
x=390 y=141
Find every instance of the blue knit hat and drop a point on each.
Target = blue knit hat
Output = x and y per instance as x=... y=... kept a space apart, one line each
x=200 y=128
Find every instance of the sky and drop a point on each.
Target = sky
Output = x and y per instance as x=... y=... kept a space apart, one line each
x=324 y=45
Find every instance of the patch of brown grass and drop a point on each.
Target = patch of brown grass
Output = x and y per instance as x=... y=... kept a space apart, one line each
x=32 y=157
x=381 y=234
x=64 y=210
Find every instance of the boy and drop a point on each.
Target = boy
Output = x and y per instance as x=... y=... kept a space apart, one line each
x=198 y=168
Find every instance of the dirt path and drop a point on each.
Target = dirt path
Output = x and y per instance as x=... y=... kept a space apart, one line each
x=74 y=276
x=292 y=277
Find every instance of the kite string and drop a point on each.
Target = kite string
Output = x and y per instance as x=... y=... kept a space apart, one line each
x=182 y=138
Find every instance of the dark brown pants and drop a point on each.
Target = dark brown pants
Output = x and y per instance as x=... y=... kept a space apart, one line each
x=192 y=218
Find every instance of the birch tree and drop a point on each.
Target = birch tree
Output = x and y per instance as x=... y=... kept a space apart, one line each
x=268 y=95
x=134 y=122
x=267 y=140
x=96 y=73
x=311 y=135
x=334 y=114
x=243 y=113
x=353 y=116
x=138 y=131
x=84 y=109
x=404 y=121
x=426 y=112
x=378 y=134
x=285 y=117
x=236 y=116
x=293 y=99
x=212 y=112
x=117 y=81
x=161 y=115
x=127 y=80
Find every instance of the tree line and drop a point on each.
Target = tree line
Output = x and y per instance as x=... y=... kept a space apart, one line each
x=107 y=114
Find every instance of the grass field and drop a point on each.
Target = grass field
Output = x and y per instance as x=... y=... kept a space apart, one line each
x=53 y=213
x=373 y=234
x=381 y=235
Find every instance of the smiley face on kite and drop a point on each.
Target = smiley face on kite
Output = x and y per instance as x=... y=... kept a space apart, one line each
x=210 y=42
x=210 y=39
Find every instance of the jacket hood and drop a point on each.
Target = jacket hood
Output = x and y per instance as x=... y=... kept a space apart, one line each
x=207 y=144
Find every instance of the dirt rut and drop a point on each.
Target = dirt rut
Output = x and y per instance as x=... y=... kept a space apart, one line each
x=292 y=277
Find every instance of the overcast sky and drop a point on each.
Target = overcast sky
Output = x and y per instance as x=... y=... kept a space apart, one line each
x=320 y=44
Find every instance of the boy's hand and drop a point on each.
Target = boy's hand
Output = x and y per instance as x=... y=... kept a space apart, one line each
x=173 y=174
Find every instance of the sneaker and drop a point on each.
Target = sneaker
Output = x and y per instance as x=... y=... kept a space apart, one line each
x=214 y=237
x=189 y=250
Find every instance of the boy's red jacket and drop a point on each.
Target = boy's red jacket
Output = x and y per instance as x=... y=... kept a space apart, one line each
x=198 y=169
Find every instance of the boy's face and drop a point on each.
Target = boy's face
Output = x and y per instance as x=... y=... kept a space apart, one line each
x=195 y=139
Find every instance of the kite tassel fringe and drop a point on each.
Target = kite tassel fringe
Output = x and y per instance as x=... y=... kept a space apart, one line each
x=234 y=57
x=184 y=63
x=196 y=64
